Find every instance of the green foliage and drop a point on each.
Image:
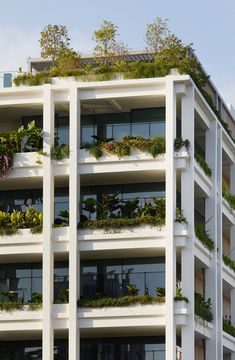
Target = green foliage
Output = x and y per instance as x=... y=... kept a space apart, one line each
x=179 y=143
x=105 y=39
x=11 y=142
x=203 y=164
x=120 y=223
x=64 y=296
x=161 y=292
x=19 y=305
x=203 y=235
x=36 y=298
x=132 y=290
x=179 y=216
x=12 y=223
x=60 y=152
x=228 y=196
x=130 y=208
x=54 y=39
x=179 y=296
x=64 y=214
x=120 y=302
x=228 y=328
x=154 y=146
x=203 y=307
x=230 y=263
x=156 y=33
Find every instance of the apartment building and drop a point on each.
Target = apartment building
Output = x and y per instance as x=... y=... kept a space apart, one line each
x=148 y=227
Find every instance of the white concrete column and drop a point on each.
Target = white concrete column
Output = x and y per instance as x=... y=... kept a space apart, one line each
x=170 y=217
x=74 y=195
x=213 y=288
x=187 y=204
x=48 y=219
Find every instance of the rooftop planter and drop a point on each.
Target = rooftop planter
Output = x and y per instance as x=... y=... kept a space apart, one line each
x=203 y=308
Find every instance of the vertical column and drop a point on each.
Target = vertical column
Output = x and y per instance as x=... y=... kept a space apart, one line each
x=187 y=203
x=48 y=219
x=170 y=216
x=74 y=195
x=213 y=288
x=232 y=251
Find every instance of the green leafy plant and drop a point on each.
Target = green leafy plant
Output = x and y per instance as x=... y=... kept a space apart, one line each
x=64 y=296
x=230 y=263
x=203 y=307
x=154 y=146
x=161 y=292
x=60 y=152
x=153 y=213
x=179 y=216
x=132 y=290
x=203 y=164
x=12 y=223
x=120 y=302
x=179 y=296
x=228 y=327
x=203 y=235
x=228 y=196
x=179 y=143
x=64 y=214
x=11 y=142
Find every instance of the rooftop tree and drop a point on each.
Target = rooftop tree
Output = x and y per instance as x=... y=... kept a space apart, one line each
x=54 y=39
x=106 y=39
x=156 y=32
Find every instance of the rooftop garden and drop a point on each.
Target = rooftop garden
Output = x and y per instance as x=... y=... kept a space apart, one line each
x=110 y=58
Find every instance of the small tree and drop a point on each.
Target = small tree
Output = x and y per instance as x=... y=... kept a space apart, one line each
x=54 y=39
x=105 y=39
x=156 y=33
x=68 y=60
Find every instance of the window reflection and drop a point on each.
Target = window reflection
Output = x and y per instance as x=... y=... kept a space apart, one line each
x=138 y=122
x=109 y=278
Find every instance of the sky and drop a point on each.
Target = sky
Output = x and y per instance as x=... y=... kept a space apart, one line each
x=208 y=24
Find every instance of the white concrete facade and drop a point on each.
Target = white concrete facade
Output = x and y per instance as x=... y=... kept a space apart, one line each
x=178 y=243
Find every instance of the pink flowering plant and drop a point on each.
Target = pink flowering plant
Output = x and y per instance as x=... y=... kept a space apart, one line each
x=6 y=158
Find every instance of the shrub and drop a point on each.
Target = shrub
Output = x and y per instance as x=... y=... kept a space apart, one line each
x=203 y=307
x=60 y=152
x=179 y=143
x=230 y=263
x=228 y=196
x=203 y=164
x=203 y=236
x=179 y=216
x=12 y=223
x=228 y=328
x=120 y=302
